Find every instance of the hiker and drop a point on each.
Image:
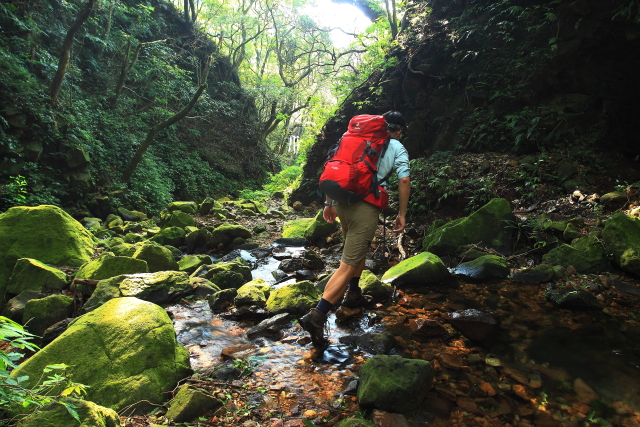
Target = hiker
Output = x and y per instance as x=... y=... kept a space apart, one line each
x=359 y=222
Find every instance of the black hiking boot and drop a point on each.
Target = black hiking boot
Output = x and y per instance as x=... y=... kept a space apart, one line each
x=314 y=322
x=354 y=299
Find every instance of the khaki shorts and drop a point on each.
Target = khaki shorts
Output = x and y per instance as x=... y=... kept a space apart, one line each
x=359 y=223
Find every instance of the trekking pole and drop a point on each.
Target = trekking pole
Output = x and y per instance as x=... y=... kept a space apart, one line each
x=384 y=230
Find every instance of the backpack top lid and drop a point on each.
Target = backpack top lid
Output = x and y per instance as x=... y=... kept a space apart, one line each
x=368 y=124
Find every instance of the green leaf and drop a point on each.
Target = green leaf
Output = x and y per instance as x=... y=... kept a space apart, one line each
x=71 y=409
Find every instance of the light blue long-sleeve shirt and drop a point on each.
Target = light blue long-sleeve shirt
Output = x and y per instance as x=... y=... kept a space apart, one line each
x=396 y=158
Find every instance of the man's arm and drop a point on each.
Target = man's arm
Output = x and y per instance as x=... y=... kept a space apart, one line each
x=404 y=189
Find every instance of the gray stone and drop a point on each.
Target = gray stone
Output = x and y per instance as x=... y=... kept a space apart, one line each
x=484 y=267
x=270 y=326
x=536 y=275
x=372 y=342
x=475 y=324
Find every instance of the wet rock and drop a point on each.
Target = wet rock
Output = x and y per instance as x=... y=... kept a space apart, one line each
x=305 y=275
x=270 y=326
x=393 y=383
x=279 y=275
x=345 y=313
x=107 y=266
x=291 y=241
x=181 y=219
x=296 y=298
x=422 y=268
x=246 y=246
x=225 y=274
x=201 y=287
x=372 y=265
x=426 y=327
x=220 y=299
x=351 y=389
x=584 y=392
x=281 y=256
x=260 y=253
x=291 y=264
x=372 y=342
x=190 y=403
x=259 y=228
x=484 y=267
x=39 y=314
x=536 y=275
x=206 y=206
x=570 y=298
x=241 y=351
x=586 y=255
x=475 y=324
x=253 y=293
x=223 y=372
x=388 y=419
x=309 y=228
x=312 y=261
x=244 y=313
x=371 y=285
x=489 y=226
x=621 y=235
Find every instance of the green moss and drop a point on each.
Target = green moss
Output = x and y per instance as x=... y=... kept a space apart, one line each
x=55 y=414
x=371 y=285
x=108 y=266
x=393 y=383
x=186 y=207
x=46 y=233
x=225 y=233
x=41 y=313
x=621 y=235
x=422 y=268
x=491 y=226
x=355 y=422
x=125 y=351
x=158 y=258
x=31 y=274
x=585 y=254
x=249 y=294
x=160 y=287
x=173 y=236
x=190 y=263
x=296 y=228
x=189 y=403
x=181 y=219
x=297 y=298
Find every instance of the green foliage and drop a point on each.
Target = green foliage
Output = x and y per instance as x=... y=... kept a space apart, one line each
x=14 y=393
x=628 y=12
x=284 y=181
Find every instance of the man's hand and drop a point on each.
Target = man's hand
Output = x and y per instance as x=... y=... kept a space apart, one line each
x=401 y=223
x=329 y=214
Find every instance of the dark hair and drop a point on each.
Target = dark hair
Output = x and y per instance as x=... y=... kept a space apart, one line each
x=395 y=120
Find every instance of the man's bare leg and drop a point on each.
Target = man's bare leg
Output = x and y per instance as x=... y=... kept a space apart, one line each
x=337 y=285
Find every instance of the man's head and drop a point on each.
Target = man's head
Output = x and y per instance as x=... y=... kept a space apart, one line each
x=395 y=122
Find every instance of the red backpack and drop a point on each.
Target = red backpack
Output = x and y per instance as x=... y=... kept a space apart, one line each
x=350 y=172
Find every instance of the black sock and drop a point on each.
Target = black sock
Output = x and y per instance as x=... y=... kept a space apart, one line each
x=353 y=284
x=324 y=306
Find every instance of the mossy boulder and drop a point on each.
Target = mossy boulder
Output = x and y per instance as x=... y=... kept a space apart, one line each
x=159 y=288
x=46 y=233
x=309 y=228
x=296 y=298
x=113 y=221
x=614 y=199
x=158 y=258
x=422 y=268
x=621 y=235
x=41 y=313
x=197 y=239
x=190 y=403
x=373 y=286
x=128 y=215
x=125 y=351
x=490 y=226
x=107 y=266
x=202 y=287
x=56 y=415
x=312 y=260
x=484 y=267
x=586 y=255
x=173 y=236
x=206 y=206
x=296 y=227
x=393 y=383
x=181 y=219
x=186 y=207
x=225 y=233
x=32 y=275
x=14 y=309
x=225 y=274
x=255 y=292
x=190 y=263
x=220 y=299
x=123 y=249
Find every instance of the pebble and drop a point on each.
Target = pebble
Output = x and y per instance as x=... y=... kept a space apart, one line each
x=310 y=414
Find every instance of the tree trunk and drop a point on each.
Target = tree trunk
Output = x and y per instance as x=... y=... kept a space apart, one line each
x=165 y=124
x=65 y=55
x=124 y=70
x=105 y=37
